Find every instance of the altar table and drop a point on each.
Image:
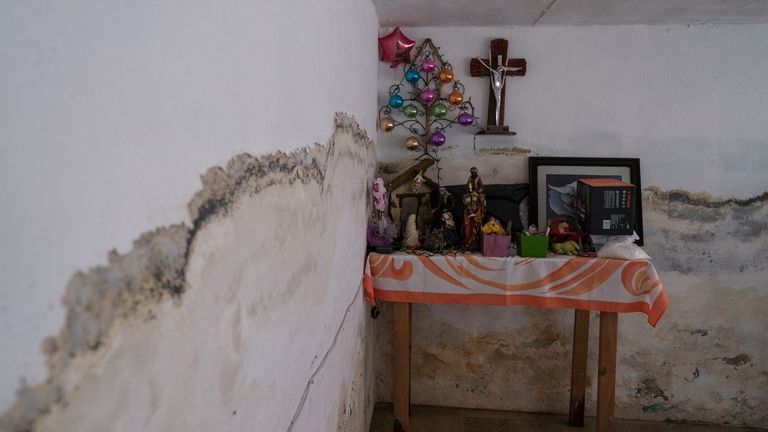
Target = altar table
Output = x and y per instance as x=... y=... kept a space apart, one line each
x=608 y=286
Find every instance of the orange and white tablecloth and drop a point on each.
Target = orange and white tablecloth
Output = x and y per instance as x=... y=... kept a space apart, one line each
x=596 y=284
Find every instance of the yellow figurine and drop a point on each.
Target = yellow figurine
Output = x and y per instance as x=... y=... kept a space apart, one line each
x=493 y=226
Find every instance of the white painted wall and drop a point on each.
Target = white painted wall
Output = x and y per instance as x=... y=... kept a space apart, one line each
x=110 y=110
x=683 y=99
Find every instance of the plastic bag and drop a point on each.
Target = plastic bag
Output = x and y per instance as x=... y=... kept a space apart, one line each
x=623 y=247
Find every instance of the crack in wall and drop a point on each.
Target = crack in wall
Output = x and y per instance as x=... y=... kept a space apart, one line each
x=133 y=283
x=323 y=361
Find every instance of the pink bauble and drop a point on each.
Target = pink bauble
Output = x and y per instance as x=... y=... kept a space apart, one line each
x=428 y=65
x=427 y=96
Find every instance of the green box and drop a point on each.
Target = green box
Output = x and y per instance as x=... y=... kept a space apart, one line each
x=534 y=246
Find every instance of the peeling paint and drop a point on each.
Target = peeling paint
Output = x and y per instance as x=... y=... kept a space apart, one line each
x=95 y=300
x=511 y=151
x=653 y=408
x=739 y=360
x=694 y=376
x=697 y=233
x=699 y=332
x=134 y=286
x=704 y=199
x=650 y=388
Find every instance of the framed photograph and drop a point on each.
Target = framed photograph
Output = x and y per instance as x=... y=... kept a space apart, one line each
x=552 y=182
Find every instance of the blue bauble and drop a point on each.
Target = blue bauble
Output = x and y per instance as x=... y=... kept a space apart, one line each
x=395 y=101
x=412 y=76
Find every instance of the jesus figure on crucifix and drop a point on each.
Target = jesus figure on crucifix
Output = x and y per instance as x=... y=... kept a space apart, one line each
x=497 y=67
x=498 y=76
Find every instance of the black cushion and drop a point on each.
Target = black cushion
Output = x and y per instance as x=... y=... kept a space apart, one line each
x=502 y=202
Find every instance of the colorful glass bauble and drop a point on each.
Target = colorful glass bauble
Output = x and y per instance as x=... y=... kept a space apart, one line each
x=427 y=96
x=412 y=143
x=386 y=124
x=455 y=98
x=410 y=111
x=412 y=76
x=465 y=119
x=428 y=65
x=439 y=110
x=395 y=101
x=445 y=75
x=437 y=138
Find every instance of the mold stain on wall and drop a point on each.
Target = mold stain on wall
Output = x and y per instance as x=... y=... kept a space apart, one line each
x=707 y=359
x=199 y=324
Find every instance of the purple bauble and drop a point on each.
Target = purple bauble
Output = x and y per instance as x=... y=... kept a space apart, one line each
x=437 y=139
x=427 y=96
x=466 y=119
x=428 y=65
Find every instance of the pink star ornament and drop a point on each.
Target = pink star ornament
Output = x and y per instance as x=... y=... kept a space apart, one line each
x=395 y=48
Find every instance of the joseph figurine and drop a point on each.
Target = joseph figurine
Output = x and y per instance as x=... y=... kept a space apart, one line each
x=474 y=208
x=474 y=183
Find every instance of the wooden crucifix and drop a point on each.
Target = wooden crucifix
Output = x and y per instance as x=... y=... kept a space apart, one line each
x=497 y=67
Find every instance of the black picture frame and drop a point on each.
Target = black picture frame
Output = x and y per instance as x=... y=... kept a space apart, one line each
x=579 y=167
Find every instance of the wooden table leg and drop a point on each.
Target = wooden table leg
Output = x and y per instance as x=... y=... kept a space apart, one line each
x=606 y=372
x=579 y=368
x=402 y=351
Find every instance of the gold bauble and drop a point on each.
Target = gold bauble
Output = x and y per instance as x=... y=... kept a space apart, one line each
x=412 y=143
x=445 y=75
x=386 y=124
x=455 y=98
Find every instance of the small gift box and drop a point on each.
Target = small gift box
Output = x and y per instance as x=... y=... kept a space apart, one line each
x=532 y=246
x=495 y=245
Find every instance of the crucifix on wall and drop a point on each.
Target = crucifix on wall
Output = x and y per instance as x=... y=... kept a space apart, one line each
x=497 y=68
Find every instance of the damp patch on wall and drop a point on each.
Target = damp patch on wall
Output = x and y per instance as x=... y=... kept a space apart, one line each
x=127 y=288
x=707 y=361
x=108 y=305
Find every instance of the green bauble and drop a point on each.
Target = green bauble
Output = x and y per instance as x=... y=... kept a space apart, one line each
x=410 y=111
x=439 y=110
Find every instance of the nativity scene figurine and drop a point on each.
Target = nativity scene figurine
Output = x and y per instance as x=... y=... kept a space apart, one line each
x=474 y=210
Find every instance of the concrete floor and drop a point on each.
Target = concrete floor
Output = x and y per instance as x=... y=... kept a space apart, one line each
x=439 y=419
